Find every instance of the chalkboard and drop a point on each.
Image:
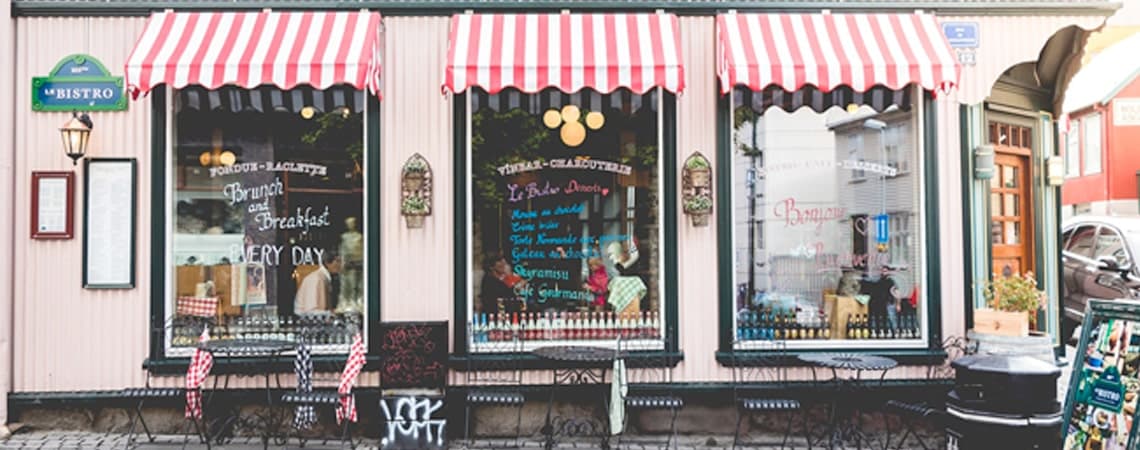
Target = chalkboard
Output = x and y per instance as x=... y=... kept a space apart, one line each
x=414 y=354
x=1104 y=385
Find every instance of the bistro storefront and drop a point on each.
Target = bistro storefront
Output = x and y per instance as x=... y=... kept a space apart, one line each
x=705 y=180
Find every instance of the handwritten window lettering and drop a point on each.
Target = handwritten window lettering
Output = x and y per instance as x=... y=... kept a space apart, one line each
x=268 y=208
x=566 y=231
x=826 y=223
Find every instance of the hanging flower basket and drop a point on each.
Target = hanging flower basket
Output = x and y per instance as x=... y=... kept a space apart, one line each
x=414 y=221
x=413 y=181
x=699 y=220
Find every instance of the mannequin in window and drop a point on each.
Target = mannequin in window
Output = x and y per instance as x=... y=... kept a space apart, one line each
x=351 y=298
x=315 y=291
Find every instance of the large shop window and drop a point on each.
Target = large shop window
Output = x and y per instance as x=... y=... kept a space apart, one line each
x=267 y=215
x=565 y=216
x=837 y=193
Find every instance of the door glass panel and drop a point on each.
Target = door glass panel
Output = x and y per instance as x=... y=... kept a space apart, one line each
x=1009 y=176
x=995 y=232
x=995 y=204
x=1012 y=233
x=1009 y=202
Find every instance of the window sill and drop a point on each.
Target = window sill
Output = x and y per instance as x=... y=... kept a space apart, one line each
x=248 y=366
x=905 y=357
x=528 y=361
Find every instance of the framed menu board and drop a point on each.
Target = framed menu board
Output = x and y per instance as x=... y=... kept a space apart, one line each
x=52 y=205
x=1100 y=406
x=109 y=223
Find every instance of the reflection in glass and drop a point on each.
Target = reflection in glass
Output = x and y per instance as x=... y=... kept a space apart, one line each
x=1012 y=232
x=1009 y=174
x=267 y=236
x=1010 y=205
x=995 y=204
x=840 y=259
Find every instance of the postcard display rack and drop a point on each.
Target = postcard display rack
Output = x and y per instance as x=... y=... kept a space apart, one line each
x=1100 y=406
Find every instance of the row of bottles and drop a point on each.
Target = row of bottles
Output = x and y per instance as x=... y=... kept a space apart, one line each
x=315 y=329
x=564 y=326
x=782 y=324
x=874 y=326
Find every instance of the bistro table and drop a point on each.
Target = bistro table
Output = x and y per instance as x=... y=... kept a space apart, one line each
x=843 y=423
x=250 y=357
x=576 y=365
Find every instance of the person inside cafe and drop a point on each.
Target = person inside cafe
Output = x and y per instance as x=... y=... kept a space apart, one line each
x=316 y=289
x=498 y=292
x=885 y=296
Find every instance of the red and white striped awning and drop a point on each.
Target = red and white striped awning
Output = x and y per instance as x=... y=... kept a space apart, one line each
x=832 y=50
x=249 y=49
x=532 y=52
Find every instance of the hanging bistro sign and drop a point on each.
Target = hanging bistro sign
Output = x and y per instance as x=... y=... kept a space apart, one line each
x=78 y=83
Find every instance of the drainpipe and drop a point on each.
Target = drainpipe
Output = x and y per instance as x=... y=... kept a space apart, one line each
x=7 y=197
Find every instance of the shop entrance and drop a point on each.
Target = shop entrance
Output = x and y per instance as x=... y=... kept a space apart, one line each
x=1011 y=215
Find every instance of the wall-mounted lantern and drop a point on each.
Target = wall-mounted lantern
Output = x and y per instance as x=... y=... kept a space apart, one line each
x=697 y=199
x=984 y=162
x=415 y=195
x=1055 y=170
x=76 y=133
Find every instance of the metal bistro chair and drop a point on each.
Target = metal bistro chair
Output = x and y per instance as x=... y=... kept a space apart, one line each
x=911 y=413
x=323 y=391
x=759 y=385
x=495 y=381
x=649 y=379
x=139 y=396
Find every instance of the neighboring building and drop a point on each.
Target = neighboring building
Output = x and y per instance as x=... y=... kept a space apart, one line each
x=1102 y=154
x=273 y=183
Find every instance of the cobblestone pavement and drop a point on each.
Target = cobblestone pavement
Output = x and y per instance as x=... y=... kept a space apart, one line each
x=100 y=441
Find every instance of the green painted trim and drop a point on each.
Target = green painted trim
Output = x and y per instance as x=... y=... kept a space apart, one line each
x=459 y=105
x=375 y=199
x=39 y=106
x=668 y=205
x=80 y=58
x=967 y=178
x=725 y=266
x=526 y=361
x=413 y=7
x=910 y=357
x=666 y=202
x=158 y=185
x=254 y=366
x=933 y=253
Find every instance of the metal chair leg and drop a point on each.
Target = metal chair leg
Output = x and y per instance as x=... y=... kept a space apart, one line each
x=736 y=436
x=518 y=425
x=467 y=435
x=787 y=431
x=673 y=429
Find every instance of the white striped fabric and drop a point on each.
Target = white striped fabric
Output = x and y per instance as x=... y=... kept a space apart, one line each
x=249 y=49
x=569 y=52
x=827 y=51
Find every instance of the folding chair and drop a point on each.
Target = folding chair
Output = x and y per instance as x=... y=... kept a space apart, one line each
x=326 y=390
x=141 y=395
x=649 y=383
x=759 y=383
x=495 y=381
x=910 y=413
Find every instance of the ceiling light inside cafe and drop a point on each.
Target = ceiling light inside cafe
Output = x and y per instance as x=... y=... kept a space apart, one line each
x=308 y=112
x=573 y=133
x=595 y=120
x=552 y=119
x=571 y=113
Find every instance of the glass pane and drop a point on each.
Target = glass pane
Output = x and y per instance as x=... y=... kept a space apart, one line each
x=565 y=214
x=1009 y=176
x=268 y=221
x=1012 y=232
x=995 y=232
x=995 y=204
x=1010 y=205
x=840 y=258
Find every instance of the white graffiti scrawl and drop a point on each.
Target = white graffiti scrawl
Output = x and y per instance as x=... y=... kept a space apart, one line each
x=407 y=417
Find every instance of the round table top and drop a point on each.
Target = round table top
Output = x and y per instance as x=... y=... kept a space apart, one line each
x=854 y=361
x=575 y=353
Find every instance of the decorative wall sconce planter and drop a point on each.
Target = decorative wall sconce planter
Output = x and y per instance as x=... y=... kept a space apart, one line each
x=415 y=196
x=696 y=198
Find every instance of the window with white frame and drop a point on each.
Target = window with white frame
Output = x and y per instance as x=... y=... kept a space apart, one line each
x=1073 y=150
x=1090 y=131
x=842 y=261
x=267 y=216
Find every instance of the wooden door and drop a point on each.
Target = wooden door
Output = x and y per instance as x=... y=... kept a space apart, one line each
x=1011 y=214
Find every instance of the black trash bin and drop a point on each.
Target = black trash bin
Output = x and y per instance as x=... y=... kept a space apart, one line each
x=1003 y=402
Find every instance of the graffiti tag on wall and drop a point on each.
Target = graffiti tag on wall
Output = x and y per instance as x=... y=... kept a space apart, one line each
x=413 y=422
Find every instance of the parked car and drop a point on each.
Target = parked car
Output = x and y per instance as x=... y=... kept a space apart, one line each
x=1099 y=261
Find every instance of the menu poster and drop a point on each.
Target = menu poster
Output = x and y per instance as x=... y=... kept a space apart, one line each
x=1100 y=406
x=52 y=194
x=109 y=223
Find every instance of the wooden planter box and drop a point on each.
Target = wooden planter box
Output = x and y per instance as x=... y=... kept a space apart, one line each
x=992 y=321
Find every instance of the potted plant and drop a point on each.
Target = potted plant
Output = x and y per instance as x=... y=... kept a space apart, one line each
x=1014 y=301
x=699 y=170
x=698 y=207
x=415 y=171
x=414 y=208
